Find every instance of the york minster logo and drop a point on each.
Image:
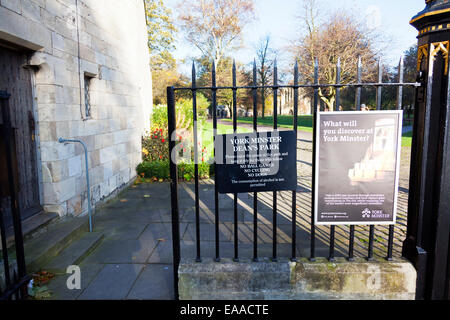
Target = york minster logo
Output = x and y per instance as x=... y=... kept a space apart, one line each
x=366 y=213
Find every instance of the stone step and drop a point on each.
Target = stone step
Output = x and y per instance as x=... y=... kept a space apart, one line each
x=75 y=253
x=31 y=226
x=58 y=236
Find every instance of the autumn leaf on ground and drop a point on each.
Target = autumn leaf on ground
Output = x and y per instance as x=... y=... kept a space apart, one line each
x=42 y=277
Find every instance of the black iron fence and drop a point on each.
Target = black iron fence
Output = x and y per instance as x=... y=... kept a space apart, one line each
x=295 y=86
x=13 y=277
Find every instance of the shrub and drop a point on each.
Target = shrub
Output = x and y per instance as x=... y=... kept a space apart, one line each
x=155 y=146
x=184 y=112
x=186 y=171
x=159 y=117
x=160 y=170
x=154 y=169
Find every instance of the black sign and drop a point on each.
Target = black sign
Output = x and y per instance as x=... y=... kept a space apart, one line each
x=253 y=162
x=357 y=164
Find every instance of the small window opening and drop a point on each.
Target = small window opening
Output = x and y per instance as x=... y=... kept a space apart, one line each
x=87 y=96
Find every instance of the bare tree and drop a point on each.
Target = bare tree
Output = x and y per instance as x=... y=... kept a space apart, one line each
x=223 y=78
x=214 y=26
x=266 y=58
x=341 y=36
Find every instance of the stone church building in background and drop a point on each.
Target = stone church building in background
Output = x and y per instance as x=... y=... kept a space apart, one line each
x=75 y=69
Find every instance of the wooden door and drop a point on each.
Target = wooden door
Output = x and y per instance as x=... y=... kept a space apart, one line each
x=16 y=80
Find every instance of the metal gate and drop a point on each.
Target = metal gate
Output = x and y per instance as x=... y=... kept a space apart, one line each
x=13 y=277
x=358 y=86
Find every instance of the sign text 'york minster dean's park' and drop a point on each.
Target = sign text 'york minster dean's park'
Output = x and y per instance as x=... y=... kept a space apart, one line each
x=258 y=161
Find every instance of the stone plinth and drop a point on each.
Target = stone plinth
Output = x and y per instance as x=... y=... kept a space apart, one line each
x=302 y=280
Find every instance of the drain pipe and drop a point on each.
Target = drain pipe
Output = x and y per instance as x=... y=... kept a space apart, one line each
x=65 y=141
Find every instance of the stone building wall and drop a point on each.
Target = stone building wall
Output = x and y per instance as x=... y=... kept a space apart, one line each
x=286 y=102
x=104 y=40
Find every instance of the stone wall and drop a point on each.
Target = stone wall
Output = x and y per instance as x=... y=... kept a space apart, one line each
x=302 y=280
x=71 y=39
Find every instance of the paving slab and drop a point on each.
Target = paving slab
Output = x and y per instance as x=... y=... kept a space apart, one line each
x=114 y=281
x=207 y=215
x=153 y=214
x=207 y=232
x=163 y=253
x=121 y=251
x=265 y=251
x=58 y=285
x=160 y=231
x=155 y=282
x=121 y=230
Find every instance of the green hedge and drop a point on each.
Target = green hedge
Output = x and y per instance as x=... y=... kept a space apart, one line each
x=161 y=170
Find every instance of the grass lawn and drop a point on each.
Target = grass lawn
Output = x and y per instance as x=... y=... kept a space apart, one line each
x=407 y=139
x=304 y=122
x=206 y=136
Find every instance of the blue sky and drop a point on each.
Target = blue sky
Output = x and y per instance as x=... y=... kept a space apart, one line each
x=277 y=18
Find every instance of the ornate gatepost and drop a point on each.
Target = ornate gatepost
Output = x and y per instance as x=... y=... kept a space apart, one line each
x=427 y=242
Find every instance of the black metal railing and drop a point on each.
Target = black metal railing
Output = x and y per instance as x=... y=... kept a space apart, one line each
x=295 y=86
x=15 y=278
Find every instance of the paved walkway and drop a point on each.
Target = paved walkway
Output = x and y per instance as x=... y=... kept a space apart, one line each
x=134 y=260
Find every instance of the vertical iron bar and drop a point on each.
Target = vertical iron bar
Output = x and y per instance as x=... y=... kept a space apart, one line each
x=197 y=205
x=332 y=235
x=399 y=107
x=390 y=242
x=400 y=88
x=379 y=88
x=358 y=108
x=313 y=184
x=338 y=98
x=255 y=99
x=216 y=190
x=4 y=248
x=351 y=243
x=338 y=81
x=17 y=223
x=236 y=249
x=4 y=96
x=255 y=194
x=371 y=236
x=275 y=127
x=358 y=89
x=15 y=280
x=294 y=193
x=173 y=187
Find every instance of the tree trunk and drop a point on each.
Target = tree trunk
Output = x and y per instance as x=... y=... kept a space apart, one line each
x=329 y=101
x=231 y=110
